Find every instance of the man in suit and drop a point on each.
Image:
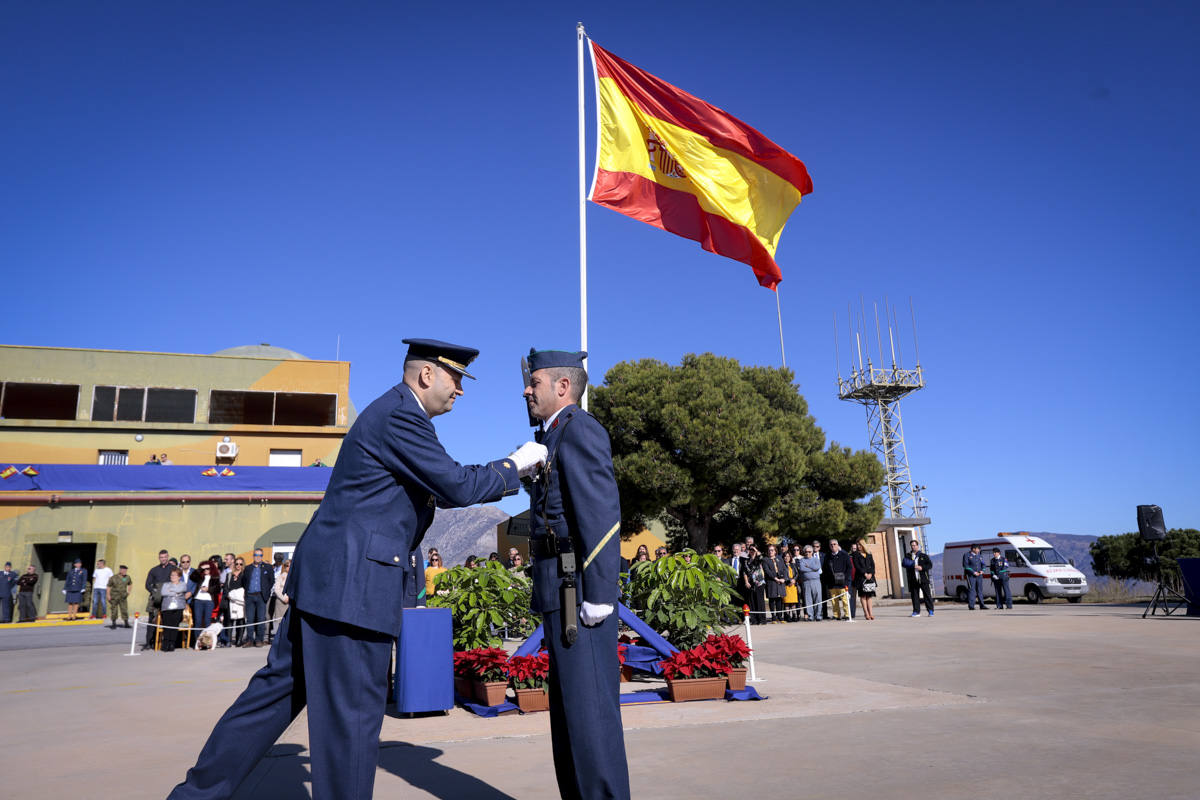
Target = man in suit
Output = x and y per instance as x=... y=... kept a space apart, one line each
x=918 y=566
x=346 y=584
x=260 y=581
x=574 y=510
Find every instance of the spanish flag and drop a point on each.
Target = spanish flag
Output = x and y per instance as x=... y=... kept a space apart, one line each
x=211 y=472
x=227 y=473
x=8 y=473
x=678 y=163
x=30 y=471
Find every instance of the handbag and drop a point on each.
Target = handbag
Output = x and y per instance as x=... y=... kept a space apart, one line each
x=870 y=586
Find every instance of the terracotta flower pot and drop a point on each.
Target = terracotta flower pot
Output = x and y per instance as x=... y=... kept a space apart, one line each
x=626 y=673
x=737 y=678
x=464 y=687
x=530 y=700
x=490 y=693
x=684 y=689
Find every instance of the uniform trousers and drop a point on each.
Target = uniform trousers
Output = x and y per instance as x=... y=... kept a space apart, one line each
x=585 y=711
x=337 y=671
x=6 y=609
x=119 y=606
x=974 y=590
x=1003 y=593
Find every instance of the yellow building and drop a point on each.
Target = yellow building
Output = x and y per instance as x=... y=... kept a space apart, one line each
x=116 y=455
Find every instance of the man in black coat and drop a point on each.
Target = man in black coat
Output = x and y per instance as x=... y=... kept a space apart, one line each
x=917 y=567
x=838 y=573
x=159 y=574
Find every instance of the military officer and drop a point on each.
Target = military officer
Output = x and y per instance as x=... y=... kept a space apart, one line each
x=999 y=571
x=575 y=510
x=118 y=596
x=972 y=563
x=346 y=585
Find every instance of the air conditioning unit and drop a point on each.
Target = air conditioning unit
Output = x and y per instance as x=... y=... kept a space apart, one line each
x=227 y=449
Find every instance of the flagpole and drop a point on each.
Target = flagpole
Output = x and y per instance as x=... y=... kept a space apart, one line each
x=583 y=342
x=779 y=313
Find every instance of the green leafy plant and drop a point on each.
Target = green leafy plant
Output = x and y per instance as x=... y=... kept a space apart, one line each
x=702 y=661
x=483 y=600
x=684 y=596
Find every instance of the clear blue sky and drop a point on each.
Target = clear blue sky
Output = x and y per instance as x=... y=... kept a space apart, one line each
x=193 y=176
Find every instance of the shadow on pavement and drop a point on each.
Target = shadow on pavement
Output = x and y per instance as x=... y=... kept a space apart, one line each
x=418 y=766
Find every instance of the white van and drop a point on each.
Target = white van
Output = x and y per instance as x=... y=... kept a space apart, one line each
x=1035 y=569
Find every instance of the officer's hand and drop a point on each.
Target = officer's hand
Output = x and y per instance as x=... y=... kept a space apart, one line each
x=527 y=457
x=594 y=613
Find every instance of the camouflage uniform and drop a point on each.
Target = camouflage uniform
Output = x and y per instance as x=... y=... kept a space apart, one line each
x=118 y=597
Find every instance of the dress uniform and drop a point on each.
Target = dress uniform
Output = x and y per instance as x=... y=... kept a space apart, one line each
x=973 y=572
x=346 y=585
x=574 y=506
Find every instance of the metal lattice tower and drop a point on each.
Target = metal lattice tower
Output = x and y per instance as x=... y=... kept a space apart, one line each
x=879 y=389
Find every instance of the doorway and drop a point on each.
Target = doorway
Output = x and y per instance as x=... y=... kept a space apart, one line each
x=54 y=561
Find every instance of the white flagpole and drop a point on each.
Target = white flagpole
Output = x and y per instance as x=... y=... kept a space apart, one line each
x=779 y=313
x=583 y=342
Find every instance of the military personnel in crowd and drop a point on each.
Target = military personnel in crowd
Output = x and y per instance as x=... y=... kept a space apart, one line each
x=8 y=585
x=575 y=517
x=999 y=571
x=118 y=596
x=972 y=563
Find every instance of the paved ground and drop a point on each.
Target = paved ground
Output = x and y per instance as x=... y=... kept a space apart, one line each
x=1047 y=700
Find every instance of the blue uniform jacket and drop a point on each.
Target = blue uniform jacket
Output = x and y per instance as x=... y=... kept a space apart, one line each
x=580 y=501
x=76 y=580
x=392 y=471
x=972 y=564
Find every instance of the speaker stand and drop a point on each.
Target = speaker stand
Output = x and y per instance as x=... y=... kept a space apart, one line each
x=1164 y=596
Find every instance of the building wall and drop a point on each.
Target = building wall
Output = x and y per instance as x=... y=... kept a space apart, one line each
x=132 y=533
x=79 y=440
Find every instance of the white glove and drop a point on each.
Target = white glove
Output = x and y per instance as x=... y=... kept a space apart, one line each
x=594 y=613
x=527 y=457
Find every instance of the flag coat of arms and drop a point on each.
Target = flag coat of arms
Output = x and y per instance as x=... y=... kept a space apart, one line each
x=676 y=162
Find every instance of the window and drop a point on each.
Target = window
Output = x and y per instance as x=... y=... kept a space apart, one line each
x=171 y=405
x=109 y=458
x=39 y=401
x=135 y=404
x=271 y=408
x=285 y=458
x=1042 y=555
x=241 y=408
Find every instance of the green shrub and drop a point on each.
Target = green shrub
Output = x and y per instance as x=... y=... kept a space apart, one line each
x=682 y=600
x=482 y=599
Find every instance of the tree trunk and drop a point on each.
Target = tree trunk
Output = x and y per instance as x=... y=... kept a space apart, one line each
x=697 y=532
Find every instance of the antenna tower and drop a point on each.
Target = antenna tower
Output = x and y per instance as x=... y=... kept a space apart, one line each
x=878 y=386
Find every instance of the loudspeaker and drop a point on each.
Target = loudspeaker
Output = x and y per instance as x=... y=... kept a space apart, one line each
x=1150 y=523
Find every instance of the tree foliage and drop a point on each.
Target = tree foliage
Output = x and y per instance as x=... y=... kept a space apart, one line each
x=717 y=451
x=1127 y=555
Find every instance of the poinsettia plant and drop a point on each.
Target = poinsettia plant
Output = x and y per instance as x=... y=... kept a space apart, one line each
x=705 y=660
x=482 y=664
x=733 y=647
x=529 y=672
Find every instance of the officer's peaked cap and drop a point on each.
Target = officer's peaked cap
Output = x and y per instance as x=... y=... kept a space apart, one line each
x=452 y=356
x=545 y=359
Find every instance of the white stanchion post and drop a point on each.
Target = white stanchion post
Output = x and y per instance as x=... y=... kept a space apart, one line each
x=750 y=643
x=133 y=637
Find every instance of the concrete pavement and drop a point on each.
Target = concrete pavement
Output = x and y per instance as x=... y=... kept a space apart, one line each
x=1042 y=700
